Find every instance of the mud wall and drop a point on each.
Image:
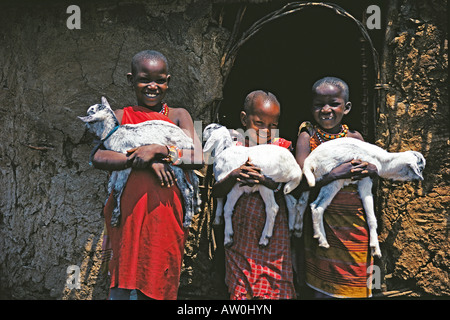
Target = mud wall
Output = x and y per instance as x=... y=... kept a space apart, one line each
x=414 y=217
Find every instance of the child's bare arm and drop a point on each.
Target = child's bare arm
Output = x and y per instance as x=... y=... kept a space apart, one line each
x=141 y=157
x=251 y=175
x=302 y=148
x=355 y=169
x=191 y=159
x=361 y=169
x=110 y=160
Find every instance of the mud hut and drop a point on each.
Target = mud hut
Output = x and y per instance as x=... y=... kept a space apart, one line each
x=54 y=66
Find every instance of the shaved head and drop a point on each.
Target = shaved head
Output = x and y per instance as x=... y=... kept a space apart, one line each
x=333 y=81
x=258 y=95
x=151 y=55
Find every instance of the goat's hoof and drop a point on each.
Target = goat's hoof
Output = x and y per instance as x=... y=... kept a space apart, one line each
x=264 y=242
x=324 y=245
x=298 y=233
x=228 y=244
x=376 y=252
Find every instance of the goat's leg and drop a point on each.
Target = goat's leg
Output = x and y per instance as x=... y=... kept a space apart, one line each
x=232 y=197
x=115 y=216
x=195 y=183
x=318 y=207
x=111 y=184
x=365 y=192
x=219 y=211
x=119 y=179
x=197 y=201
x=271 y=213
x=302 y=203
x=291 y=205
x=187 y=193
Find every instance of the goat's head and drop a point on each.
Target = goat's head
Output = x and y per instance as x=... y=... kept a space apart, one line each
x=217 y=139
x=413 y=166
x=100 y=117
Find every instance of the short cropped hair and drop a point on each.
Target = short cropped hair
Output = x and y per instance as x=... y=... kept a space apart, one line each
x=339 y=83
x=250 y=99
x=147 y=54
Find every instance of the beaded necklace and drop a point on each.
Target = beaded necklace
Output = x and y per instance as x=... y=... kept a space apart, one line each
x=164 y=110
x=325 y=136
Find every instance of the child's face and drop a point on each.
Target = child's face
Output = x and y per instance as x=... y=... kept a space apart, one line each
x=260 y=121
x=329 y=107
x=150 y=82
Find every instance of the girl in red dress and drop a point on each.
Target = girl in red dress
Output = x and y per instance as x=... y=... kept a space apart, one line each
x=148 y=244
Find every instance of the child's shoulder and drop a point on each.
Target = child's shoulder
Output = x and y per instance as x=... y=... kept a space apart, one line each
x=179 y=112
x=180 y=116
x=305 y=131
x=119 y=114
x=354 y=134
x=306 y=128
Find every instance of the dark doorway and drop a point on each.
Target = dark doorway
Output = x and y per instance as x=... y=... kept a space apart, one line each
x=288 y=55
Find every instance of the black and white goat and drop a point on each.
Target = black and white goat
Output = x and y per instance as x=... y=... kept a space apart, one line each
x=102 y=122
x=275 y=162
x=399 y=166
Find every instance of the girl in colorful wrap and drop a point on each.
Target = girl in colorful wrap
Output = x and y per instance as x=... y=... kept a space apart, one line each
x=343 y=269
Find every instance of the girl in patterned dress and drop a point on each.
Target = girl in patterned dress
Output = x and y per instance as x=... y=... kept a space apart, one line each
x=253 y=272
x=343 y=269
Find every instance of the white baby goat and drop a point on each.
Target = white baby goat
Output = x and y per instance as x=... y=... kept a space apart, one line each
x=400 y=166
x=275 y=162
x=102 y=122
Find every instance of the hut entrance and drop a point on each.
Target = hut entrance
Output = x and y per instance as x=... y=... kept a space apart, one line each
x=287 y=55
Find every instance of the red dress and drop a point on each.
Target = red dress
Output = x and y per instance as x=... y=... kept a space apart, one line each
x=148 y=244
x=252 y=271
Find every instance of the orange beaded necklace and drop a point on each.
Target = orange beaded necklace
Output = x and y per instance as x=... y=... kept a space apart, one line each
x=325 y=136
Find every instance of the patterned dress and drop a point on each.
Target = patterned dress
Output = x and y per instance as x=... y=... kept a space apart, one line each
x=343 y=269
x=255 y=272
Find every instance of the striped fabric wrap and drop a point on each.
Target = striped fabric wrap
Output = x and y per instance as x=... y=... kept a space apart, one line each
x=343 y=269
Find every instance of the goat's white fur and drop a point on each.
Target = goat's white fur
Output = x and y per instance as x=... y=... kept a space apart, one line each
x=275 y=162
x=400 y=166
x=100 y=120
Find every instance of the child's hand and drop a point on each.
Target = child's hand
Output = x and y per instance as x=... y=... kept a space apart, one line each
x=164 y=173
x=141 y=157
x=362 y=169
x=246 y=174
x=355 y=170
x=249 y=175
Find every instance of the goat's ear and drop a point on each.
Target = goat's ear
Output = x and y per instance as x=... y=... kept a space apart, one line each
x=87 y=119
x=216 y=140
x=209 y=145
x=105 y=102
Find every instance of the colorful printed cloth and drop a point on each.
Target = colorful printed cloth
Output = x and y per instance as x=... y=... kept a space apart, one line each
x=343 y=269
x=252 y=271
x=255 y=272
